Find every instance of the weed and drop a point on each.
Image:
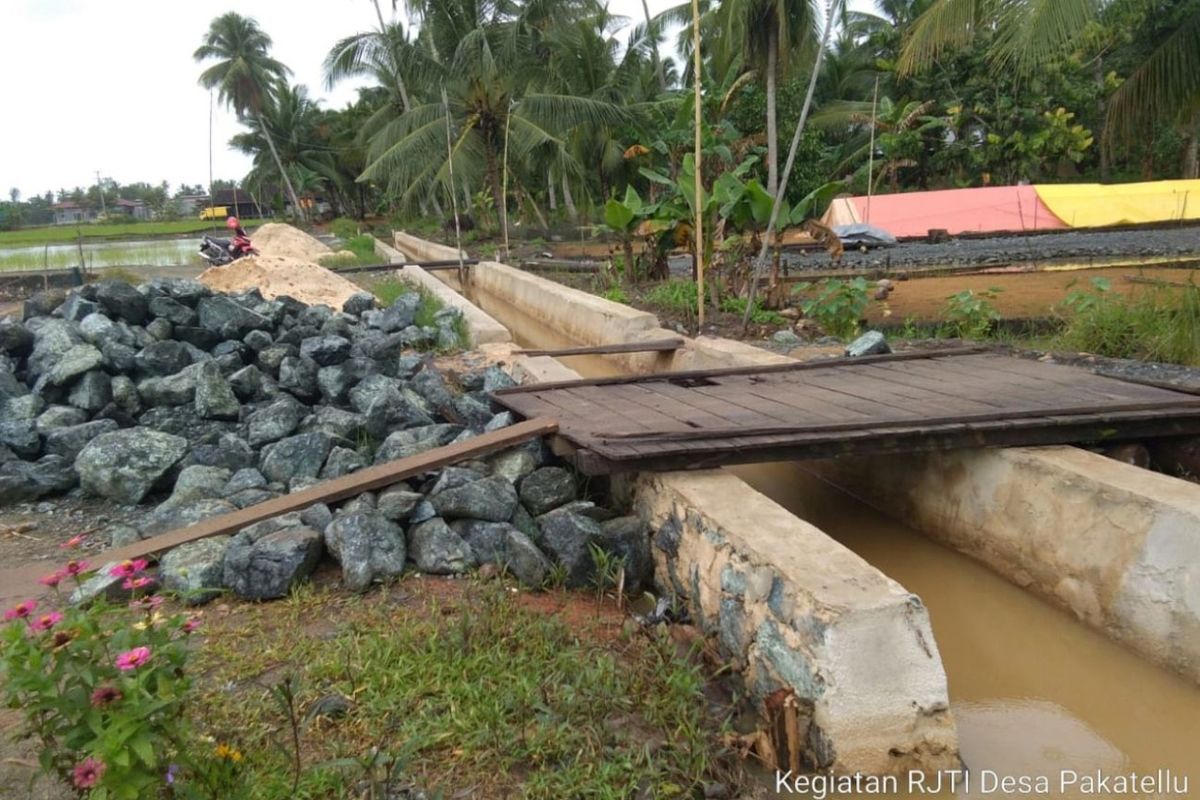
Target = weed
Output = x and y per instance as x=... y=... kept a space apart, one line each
x=386 y=290
x=474 y=691
x=556 y=576
x=677 y=296
x=759 y=316
x=837 y=306
x=1159 y=324
x=970 y=314
x=608 y=570
x=343 y=228
x=616 y=294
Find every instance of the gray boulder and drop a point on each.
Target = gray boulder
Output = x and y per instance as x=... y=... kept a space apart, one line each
x=60 y=417
x=22 y=481
x=72 y=363
x=197 y=482
x=247 y=383
x=167 y=517
x=97 y=329
x=228 y=318
x=122 y=301
x=342 y=461
x=15 y=338
x=369 y=547
x=436 y=549
x=264 y=562
x=125 y=465
x=326 y=350
x=413 y=441
x=628 y=538
x=488 y=540
x=69 y=441
x=195 y=571
x=274 y=422
x=547 y=488
x=174 y=390
x=298 y=376
x=565 y=537
x=173 y=311
x=76 y=307
x=92 y=392
x=397 y=502
x=300 y=456
x=869 y=344
x=162 y=358
x=248 y=478
x=21 y=436
x=491 y=499
x=525 y=561
x=214 y=396
x=359 y=302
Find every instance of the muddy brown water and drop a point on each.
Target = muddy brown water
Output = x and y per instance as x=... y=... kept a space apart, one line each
x=1034 y=692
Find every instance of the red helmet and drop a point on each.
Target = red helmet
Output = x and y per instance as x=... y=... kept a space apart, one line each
x=232 y=223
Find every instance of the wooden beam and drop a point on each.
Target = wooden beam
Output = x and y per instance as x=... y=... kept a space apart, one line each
x=560 y=265
x=377 y=477
x=793 y=366
x=430 y=265
x=651 y=346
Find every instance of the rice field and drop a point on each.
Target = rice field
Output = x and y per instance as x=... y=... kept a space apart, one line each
x=161 y=252
x=51 y=234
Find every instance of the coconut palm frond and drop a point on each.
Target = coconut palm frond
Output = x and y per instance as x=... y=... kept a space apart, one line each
x=1032 y=32
x=946 y=25
x=1166 y=84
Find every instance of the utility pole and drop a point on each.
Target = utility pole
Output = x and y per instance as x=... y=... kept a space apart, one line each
x=100 y=189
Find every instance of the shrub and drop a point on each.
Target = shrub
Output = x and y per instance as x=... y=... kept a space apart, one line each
x=343 y=228
x=102 y=693
x=837 y=306
x=1156 y=325
x=970 y=314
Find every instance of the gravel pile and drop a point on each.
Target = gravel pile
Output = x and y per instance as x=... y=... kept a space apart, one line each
x=204 y=403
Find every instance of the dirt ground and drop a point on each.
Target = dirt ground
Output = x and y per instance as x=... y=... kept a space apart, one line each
x=1023 y=295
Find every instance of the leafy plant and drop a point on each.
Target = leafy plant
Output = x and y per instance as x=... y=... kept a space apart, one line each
x=616 y=294
x=623 y=217
x=101 y=688
x=971 y=314
x=343 y=228
x=837 y=306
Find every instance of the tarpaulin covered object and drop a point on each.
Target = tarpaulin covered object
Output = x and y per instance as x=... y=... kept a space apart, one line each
x=1092 y=205
x=982 y=210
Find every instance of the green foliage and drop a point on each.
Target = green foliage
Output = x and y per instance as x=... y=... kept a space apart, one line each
x=675 y=296
x=971 y=314
x=475 y=691
x=386 y=290
x=616 y=294
x=1155 y=325
x=759 y=316
x=343 y=228
x=837 y=305
x=101 y=689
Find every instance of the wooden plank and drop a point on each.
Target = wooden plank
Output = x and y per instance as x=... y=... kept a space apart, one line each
x=351 y=485
x=768 y=369
x=650 y=346
x=427 y=265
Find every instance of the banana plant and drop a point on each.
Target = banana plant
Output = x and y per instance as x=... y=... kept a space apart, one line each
x=623 y=218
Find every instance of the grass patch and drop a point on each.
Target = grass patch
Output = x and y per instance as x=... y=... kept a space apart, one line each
x=387 y=290
x=361 y=253
x=51 y=234
x=1159 y=324
x=474 y=691
x=678 y=297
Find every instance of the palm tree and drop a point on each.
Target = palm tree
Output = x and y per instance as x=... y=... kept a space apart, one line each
x=293 y=122
x=488 y=57
x=1030 y=33
x=768 y=31
x=245 y=76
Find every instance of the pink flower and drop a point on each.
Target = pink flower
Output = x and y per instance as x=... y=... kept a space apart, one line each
x=192 y=624
x=53 y=579
x=75 y=568
x=105 y=695
x=148 y=603
x=20 y=611
x=132 y=659
x=72 y=543
x=88 y=773
x=140 y=582
x=46 y=621
x=128 y=569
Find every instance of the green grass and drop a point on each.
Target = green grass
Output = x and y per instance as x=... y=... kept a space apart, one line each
x=386 y=290
x=1154 y=325
x=449 y=693
x=676 y=296
x=361 y=254
x=52 y=234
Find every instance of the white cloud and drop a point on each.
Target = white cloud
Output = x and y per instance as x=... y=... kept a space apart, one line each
x=110 y=85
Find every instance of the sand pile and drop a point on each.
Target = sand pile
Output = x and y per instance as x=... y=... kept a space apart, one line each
x=277 y=239
x=275 y=275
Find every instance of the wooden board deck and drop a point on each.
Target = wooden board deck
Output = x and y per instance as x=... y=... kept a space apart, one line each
x=880 y=404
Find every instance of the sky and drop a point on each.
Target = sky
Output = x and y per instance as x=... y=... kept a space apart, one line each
x=111 y=86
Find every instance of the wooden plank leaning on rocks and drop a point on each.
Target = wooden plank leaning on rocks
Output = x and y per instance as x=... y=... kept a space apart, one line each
x=365 y=480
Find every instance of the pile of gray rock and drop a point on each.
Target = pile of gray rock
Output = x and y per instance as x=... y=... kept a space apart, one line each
x=205 y=403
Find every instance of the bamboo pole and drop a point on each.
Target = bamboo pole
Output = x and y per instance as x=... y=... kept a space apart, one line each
x=699 y=223
x=462 y=271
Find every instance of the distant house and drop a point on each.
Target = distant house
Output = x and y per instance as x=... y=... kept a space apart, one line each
x=239 y=203
x=132 y=208
x=70 y=212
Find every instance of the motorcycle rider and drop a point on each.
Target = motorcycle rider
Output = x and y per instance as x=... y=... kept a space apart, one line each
x=240 y=244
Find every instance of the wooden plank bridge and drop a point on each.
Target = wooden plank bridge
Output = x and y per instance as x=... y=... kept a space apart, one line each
x=906 y=402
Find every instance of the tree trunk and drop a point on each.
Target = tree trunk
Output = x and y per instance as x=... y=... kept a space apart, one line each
x=550 y=189
x=568 y=200
x=278 y=163
x=399 y=78
x=630 y=271
x=1102 y=115
x=772 y=127
x=493 y=179
x=1191 y=153
x=658 y=67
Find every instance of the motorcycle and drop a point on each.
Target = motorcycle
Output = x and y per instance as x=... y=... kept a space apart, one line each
x=219 y=252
